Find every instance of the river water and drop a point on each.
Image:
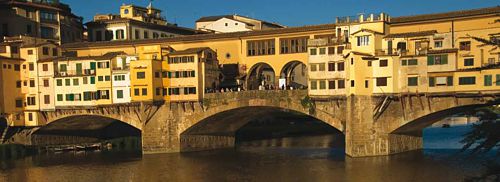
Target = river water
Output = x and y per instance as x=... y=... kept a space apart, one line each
x=252 y=162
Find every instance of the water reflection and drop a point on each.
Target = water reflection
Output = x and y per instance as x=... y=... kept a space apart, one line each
x=249 y=163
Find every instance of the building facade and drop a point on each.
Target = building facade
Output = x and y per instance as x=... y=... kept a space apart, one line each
x=50 y=20
x=233 y=23
x=133 y=23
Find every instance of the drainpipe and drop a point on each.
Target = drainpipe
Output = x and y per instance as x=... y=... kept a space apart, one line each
x=453 y=33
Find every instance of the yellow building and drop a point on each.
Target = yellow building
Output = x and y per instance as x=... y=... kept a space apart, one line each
x=12 y=99
x=192 y=73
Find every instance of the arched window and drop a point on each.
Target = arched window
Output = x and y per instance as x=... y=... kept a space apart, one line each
x=126 y=11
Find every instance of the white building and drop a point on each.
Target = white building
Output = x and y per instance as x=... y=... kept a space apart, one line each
x=75 y=81
x=121 y=79
x=233 y=23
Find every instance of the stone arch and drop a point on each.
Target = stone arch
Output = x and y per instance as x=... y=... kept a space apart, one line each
x=219 y=103
x=415 y=126
x=295 y=73
x=77 y=129
x=258 y=73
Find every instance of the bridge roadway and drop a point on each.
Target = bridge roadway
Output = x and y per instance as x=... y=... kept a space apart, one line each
x=373 y=125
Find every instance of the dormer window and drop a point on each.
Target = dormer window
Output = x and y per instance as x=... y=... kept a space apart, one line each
x=438 y=43
x=125 y=11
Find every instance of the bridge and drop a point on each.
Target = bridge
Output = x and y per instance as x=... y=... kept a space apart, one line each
x=373 y=125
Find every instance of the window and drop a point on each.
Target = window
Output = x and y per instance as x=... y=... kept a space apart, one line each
x=322 y=51
x=32 y=67
x=352 y=83
x=32 y=83
x=119 y=94
x=19 y=103
x=17 y=67
x=314 y=51
x=92 y=80
x=46 y=99
x=103 y=64
x=331 y=66
x=491 y=60
x=183 y=59
x=314 y=67
x=488 y=80
x=59 y=97
x=369 y=63
x=366 y=84
x=63 y=68
x=465 y=46
x=158 y=91
x=340 y=49
x=45 y=67
x=141 y=75
x=18 y=84
x=321 y=67
x=45 y=51
x=136 y=92
x=76 y=82
x=100 y=78
x=363 y=40
x=30 y=116
x=125 y=11
x=155 y=35
x=144 y=91
x=467 y=80
x=437 y=59
x=340 y=66
x=67 y=82
x=322 y=84
x=120 y=34
x=85 y=80
x=438 y=44
x=87 y=96
x=107 y=78
x=293 y=45
x=137 y=34
x=469 y=62
x=48 y=16
x=47 y=32
x=31 y=101
x=412 y=62
x=382 y=81
x=412 y=81
x=383 y=63
x=352 y=61
x=341 y=84
x=46 y=83
x=59 y=82
x=331 y=84
x=331 y=50
x=261 y=47
x=157 y=74
x=404 y=62
x=314 y=85
x=498 y=80
x=29 y=29
x=146 y=35
x=55 y=52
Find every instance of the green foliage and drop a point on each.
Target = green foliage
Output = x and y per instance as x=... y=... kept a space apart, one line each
x=307 y=103
x=485 y=135
x=206 y=103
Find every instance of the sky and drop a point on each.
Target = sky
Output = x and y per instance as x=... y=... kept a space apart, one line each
x=285 y=12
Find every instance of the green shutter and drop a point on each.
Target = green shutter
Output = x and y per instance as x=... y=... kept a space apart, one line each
x=449 y=80
x=92 y=65
x=488 y=80
x=59 y=97
x=432 y=81
x=444 y=59
x=430 y=60
x=79 y=68
x=498 y=80
x=92 y=80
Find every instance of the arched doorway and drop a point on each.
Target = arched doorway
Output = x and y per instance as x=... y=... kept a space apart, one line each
x=261 y=75
x=294 y=74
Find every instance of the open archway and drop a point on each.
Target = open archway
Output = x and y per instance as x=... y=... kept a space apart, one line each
x=233 y=127
x=81 y=129
x=294 y=74
x=261 y=74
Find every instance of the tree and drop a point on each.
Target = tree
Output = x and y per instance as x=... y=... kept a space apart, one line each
x=484 y=136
